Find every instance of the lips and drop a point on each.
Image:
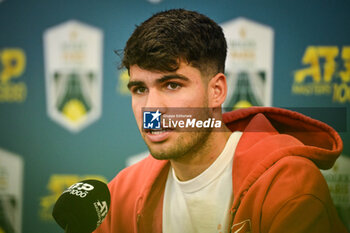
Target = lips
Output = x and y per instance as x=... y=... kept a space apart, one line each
x=158 y=135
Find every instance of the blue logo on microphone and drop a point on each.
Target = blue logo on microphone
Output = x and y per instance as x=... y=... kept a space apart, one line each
x=151 y=120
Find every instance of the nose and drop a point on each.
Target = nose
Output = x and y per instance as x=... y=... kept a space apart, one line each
x=155 y=100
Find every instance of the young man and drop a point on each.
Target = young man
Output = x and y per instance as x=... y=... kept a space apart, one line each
x=259 y=174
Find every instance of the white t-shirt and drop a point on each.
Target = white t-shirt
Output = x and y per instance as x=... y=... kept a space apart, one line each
x=202 y=204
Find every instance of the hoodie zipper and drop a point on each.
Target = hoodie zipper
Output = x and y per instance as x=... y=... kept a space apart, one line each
x=138 y=214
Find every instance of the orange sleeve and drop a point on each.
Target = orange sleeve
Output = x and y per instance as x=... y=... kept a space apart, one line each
x=304 y=214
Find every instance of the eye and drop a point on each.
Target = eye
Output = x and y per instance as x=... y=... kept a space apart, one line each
x=139 y=90
x=173 y=86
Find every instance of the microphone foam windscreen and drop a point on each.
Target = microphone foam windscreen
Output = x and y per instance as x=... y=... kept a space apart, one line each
x=82 y=207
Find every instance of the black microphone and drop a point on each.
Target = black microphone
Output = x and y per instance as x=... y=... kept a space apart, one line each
x=82 y=207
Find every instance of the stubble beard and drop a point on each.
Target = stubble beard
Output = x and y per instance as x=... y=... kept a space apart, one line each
x=186 y=144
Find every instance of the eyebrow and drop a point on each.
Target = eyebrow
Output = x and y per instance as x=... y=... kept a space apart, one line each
x=172 y=76
x=161 y=80
x=135 y=83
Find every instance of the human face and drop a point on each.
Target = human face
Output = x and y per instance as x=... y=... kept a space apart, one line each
x=184 y=88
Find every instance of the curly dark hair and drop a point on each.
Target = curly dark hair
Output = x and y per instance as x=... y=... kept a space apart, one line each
x=169 y=37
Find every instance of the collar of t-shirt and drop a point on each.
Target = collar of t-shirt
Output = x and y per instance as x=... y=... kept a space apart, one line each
x=214 y=170
x=202 y=204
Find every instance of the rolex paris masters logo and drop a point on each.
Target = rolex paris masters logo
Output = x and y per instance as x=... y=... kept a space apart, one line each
x=181 y=119
x=73 y=67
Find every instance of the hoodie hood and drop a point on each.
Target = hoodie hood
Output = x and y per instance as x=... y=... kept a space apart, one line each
x=322 y=142
x=270 y=134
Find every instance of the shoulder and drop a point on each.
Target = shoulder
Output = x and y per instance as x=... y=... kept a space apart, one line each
x=297 y=175
x=296 y=182
x=296 y=193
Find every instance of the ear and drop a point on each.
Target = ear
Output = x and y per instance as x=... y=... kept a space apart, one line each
x=217 y=90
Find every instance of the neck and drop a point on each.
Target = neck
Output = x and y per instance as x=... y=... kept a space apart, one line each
x=193 y=164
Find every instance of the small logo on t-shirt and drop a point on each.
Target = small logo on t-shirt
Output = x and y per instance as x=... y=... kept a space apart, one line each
x=242 y=227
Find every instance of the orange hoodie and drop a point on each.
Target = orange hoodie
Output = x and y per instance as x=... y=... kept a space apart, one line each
x=277 y=185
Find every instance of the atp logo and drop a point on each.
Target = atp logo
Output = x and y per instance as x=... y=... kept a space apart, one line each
x=101 y=210
x=80 y=189
x=151 y=120
x=57 y=184
x=12 y=67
